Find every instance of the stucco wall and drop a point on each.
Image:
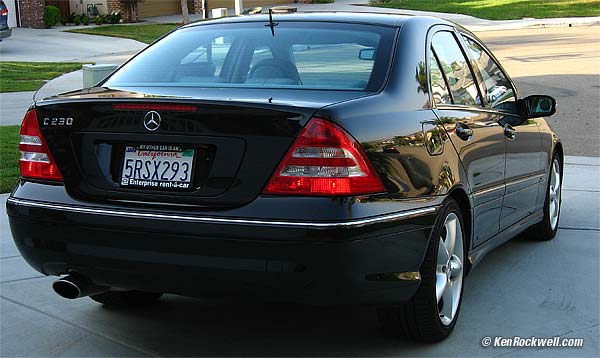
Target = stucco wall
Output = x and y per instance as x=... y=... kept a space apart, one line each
x=80 y=6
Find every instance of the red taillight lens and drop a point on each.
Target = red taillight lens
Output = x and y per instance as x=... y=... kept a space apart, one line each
x=36 y=160
x=326 y=161
x=4 y=12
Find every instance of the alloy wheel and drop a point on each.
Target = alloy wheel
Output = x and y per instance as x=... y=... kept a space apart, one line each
x=449 y=269
x=554 y=193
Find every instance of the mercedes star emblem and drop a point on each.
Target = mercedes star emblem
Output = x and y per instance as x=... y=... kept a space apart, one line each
x=152 y=121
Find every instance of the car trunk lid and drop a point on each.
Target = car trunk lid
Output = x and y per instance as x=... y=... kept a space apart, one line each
x=234 y=140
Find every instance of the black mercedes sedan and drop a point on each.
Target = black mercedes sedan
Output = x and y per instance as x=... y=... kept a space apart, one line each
x=323 y=158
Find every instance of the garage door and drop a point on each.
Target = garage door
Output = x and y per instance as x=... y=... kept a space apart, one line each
x=147 y=8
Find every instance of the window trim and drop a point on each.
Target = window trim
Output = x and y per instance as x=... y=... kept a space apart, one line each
x=437 y=61
x=431 y=33
x=497 y=63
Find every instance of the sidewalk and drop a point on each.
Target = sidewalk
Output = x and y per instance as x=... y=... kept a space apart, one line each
x=54 y=45
x=13 y=106
x=472 y=23
x=545 y=289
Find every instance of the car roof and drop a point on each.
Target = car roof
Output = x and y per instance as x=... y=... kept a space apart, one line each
x=382 y=19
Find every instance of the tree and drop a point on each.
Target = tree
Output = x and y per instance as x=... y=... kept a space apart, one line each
x=185 y=12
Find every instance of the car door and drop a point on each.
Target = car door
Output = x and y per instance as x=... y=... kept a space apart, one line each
x=524 y=159
x=473 y=129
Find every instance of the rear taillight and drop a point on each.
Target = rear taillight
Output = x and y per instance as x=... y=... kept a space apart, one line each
x=36 y=160
x=324 y=160
x=4 y=12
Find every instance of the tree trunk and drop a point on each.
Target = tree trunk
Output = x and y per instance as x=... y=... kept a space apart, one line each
x=184 y=12
x=133 y=10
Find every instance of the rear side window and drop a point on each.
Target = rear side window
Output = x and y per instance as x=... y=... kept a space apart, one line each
x=498 y=90
x=456 y=69
x=309 y=55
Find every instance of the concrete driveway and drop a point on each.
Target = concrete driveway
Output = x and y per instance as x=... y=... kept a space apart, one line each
x=523 y=288
x=561 y=62
x=54 y=45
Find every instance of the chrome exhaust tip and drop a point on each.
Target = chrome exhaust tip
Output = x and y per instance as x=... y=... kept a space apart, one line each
x=76 y=286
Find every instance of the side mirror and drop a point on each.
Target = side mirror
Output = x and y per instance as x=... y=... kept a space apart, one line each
x=539 y=106
x=367 y=54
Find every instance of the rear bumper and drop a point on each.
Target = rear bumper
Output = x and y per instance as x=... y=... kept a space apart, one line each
x=5 y=33
x=350 y=261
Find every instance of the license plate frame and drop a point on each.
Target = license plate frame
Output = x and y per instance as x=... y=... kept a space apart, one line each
x=145 y=176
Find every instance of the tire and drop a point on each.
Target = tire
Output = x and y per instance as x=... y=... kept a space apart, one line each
x=126 y=298
x=546 y=229
x=426 y=317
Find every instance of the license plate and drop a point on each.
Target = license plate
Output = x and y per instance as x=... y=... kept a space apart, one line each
x=158 y=167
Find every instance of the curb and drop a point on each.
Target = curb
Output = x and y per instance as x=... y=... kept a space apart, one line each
x=531 y=24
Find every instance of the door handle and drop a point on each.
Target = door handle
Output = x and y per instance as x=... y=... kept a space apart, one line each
x=509 y=131
x=463 y=131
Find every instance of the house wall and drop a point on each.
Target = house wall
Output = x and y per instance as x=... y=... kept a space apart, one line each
x=80 y=6
x=32 y=13
x=195 y=6
x=62 y=5
x=149 y=8
x=114 y=5
x=230 y=4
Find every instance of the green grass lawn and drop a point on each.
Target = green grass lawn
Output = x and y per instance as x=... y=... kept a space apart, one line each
x=143 y=33
x=501 y=9
x=30 y=76
x=9 y=157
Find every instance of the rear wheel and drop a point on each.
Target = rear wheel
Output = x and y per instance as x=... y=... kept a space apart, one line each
x=432 y=313
x=126 y=298
x=547 y=228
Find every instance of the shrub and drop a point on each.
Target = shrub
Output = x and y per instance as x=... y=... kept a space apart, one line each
x=64 y=21
x=99 y=20
x=51 y=16
x=85 y=19
x=115 y=17
x=77 y=19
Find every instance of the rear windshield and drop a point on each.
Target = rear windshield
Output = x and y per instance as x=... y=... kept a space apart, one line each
x=299 y=55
